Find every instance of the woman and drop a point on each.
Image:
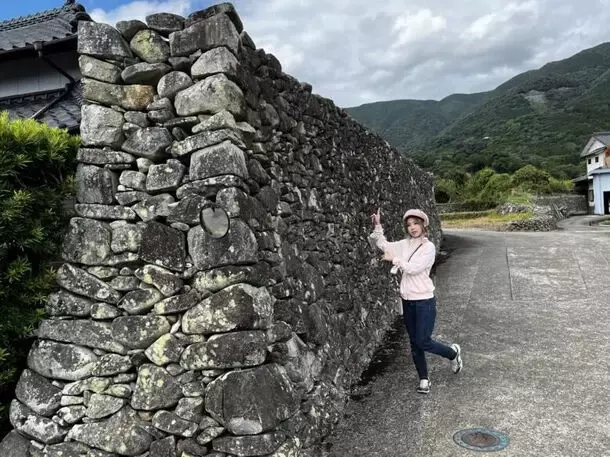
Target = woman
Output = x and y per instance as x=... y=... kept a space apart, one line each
x=414 y=256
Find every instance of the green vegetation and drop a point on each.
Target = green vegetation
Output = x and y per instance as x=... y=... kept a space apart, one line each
x=487 y=220
x=36 y=166
x=542 y=118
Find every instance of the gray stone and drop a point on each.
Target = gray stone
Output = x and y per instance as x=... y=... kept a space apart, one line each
x=103 y=272
x=119 y=390
x=164 y=280
x=206 y=34
x=252 y=401
x=80 y=282
x=140 y=301
x=87 y=241
x=104 y=157
x=104 y=311
x=238 y=247
x=165 y=23
x=106 y=212
x=62 y=303
x=133 y=179
x=219 y=278
x=68 y=400
x=98 y=69
x=139 y=332
x=145 y=73
x=120 y=434
x=126 y=237
x=209 y=434
x=149 y=46
x=82 y=332
x=124 y=283
x=238 y=307
x=178 y=303
x=101 y=126
x=220 y=120
x=71 y=414
x=187 y=210
x=279 y=331
x=171 y=423
x=28 y=423
x=163 y=246
x=249 y=445
x=136 y=117
x=221 y=159
x=111 y=364
x=130 y=97
x=155 y=389
x=180 y=63
x=232 y=350
x=101 y=406
x=95 y=184
x=129 y=197
x=73 y=449
x=217 y=60
x=206 y=139
x=161 y=103
x=165 y=350
x=14 y=445
x=129 y=28
x=161 y=117
x=37 y=393
x=211 y=95
x=101 y=40
x=164 y=448
x=166 y=176
x=154 y=207
x=190 y=409
x=214 y=10
x=209 y=187
x=150 y=143
x=172 y=83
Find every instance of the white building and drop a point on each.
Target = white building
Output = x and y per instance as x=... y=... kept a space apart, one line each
x=597 y=155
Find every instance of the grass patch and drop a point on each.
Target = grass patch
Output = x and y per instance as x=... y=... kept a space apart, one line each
x=488 y=221
x=519 y=198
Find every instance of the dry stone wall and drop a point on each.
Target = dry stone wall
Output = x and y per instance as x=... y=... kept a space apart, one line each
x=164 y=340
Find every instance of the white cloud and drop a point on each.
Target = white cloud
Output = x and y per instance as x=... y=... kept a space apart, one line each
x=357 y=51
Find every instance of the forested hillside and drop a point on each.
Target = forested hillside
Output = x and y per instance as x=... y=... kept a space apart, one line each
x=541 y=117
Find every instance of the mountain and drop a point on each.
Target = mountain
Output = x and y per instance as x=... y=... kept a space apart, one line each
x=543 y=117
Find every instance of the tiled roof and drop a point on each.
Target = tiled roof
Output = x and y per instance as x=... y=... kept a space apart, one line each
x=65 y=113
x=51 y=25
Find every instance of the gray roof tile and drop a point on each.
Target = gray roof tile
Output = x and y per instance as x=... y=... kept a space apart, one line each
x=46 y=26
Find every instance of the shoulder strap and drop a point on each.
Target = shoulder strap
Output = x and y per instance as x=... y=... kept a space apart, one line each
x=413 y=253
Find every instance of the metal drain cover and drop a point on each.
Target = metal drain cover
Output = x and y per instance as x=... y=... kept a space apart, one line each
x=481 y=439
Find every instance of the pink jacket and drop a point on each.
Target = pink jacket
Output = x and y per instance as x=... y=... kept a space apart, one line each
x=415 y=283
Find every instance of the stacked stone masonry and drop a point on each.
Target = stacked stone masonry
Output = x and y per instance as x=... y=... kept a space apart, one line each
x=162 y=341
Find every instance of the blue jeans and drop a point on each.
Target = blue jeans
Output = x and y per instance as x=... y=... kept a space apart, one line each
x=419 y=317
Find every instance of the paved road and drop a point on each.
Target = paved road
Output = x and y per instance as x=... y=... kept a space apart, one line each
x=532 y=313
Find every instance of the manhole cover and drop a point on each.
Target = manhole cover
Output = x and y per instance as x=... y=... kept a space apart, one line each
x=481 y=439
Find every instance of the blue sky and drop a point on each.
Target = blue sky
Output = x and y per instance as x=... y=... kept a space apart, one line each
x=359 y=51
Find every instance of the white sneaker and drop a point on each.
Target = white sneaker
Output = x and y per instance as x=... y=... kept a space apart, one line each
x=456 y=364
x=424 y=386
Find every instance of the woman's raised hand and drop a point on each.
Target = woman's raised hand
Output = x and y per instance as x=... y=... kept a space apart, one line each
x=376 y=217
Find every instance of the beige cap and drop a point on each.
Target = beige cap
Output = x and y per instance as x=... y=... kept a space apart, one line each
x=417 y=213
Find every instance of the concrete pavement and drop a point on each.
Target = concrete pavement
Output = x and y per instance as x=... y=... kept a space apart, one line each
x=532 y=314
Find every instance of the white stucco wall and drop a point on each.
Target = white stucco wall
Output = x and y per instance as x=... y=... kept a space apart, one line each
x=33 y=75
x=601 y=184
x=597 y=161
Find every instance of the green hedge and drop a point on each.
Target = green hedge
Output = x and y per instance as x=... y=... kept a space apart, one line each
x=36 y=175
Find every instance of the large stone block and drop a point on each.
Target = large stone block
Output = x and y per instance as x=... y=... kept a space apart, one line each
x=87 y=241
x=238 y=247
x=38 y=394
x=172 y=83
x=155 y=389
x=217 y=60
x=139 y=332
x=252 y=401
x=95 y=184
x=238 y=307
x=245 y=446
x=130 y=97
x=145 y=73
x=221 y=159
x=210 y=96
x=80 y=282
x=99 y=69
x=164 y=246
x=164 y=177
x=31 y=424
x=231 y=350
x=120 y=434
x=101 y=40
x=149 y=46
x=165 y=23
x=61 y=361
x=14 y=445
x=207 y=34
x=83 y=332
x=101 y=126
x=150 y=143
x=62 y=303
x=205 y=139
x=163 y=280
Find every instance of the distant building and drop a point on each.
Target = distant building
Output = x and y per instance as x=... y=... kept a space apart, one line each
x=597 y=179
x=39 y=73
